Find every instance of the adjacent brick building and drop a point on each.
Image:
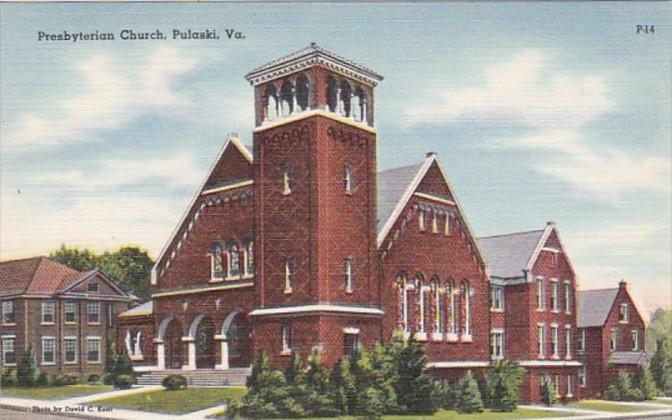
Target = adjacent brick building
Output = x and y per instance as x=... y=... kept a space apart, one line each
x=68 y=317
x=610 y=338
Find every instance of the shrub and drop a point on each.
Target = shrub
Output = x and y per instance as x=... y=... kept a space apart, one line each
x=469 y=397
x=448 y=397
x=8 y=378
x=643 y=380
x=71 y=379
x=42 y=379
x=414 y=387
x=124 y=381
x=504 y=382
x=634 y=394
x=174 y=382
x=25 y=369
x=108 y=379
x=612 y=393
x=93 y=378
x=58 y=379
x=342 y=387
x=549 y=394
x=619 y=390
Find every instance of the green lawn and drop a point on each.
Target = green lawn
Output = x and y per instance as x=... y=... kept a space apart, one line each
x=659 y=401
x=521 y=413
x=174 y=402
x=600 y=405
x=54 y=392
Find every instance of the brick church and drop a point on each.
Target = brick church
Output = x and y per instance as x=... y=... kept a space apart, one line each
x=301 y=243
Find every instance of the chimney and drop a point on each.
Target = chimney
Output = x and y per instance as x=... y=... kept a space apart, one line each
x=622 y=284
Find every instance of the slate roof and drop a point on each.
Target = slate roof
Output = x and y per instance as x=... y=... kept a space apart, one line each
x=392 y=184
x=37 y=275
x=145 y=309
x=311 y=50
x=594 y=306
x=507 y=255
x=629 y=358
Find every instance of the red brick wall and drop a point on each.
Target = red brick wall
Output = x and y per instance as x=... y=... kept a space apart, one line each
x=145 y=324
x=592 y=360
x=519 y=337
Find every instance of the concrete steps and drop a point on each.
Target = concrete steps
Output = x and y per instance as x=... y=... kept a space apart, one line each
x=199 y=377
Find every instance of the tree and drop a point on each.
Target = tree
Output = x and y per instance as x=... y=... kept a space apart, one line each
x=25 y=369
x=80 y=260
x=643 y=380
x=660 y=327
x=384 y=375
x=130 y=267
x=318 y=401
x=294 y=371
x=342 y=388
x=505 y=380
x=661 y=366
x=619 y=390
x=414 y=388
x=469 y=397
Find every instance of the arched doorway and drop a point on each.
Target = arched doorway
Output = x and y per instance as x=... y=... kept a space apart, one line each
x=236 y=347
x=205 y=344
x=173 y=346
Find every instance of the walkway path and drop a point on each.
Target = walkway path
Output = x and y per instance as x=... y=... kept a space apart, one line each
x=584 y=414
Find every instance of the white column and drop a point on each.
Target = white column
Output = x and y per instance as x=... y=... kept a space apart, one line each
x=160 y=355
x=224 y=353
x=191 y=354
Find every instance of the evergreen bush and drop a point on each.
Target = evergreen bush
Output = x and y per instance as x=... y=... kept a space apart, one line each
x=124 y=381
x=661 y=366
x=342 y=388
x=504 y=382
x=174 y=382
x=643 y=381
x=93 y=378
x=8 y=378
x=25 y=368
x=469 y=397
x=549 y=394
x=414 y=387
x=42 y=379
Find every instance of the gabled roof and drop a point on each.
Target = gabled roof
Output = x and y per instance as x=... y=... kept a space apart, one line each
x=397 y=186
x=508 y=255
x=40 y=275
x=629 y=358
x=594 y=306
x=231 y=141
x=309 y=56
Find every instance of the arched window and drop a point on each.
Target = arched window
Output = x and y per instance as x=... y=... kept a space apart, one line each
x=359 y=105
x=466 y=302
x=423 y=302
x=452 y=310
x=216 y=262
x=287 y=99
x=271 y=99
x=302 y=93
x=235 y=261
x=439 y=313
x=289 y=274
x=332 y=94
x=347 y=178
x=249 y=263
x=402 y=285
x=345 y=99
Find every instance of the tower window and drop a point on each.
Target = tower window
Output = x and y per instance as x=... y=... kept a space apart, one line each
x=347 y=178
x=287 y=99
x=286 y=180
x=345 y=97
x=348 y=275
x=359 y=104
x=302 y=93
x=271 y=98
x=332 y=94
x=435 y=222
x=289 y=274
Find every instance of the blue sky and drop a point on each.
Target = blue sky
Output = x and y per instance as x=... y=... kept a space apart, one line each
x=538 y=111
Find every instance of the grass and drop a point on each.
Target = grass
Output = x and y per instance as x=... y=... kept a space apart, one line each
x=521 y=413
x=600 y=405
x=174 y=402
x=659 y=401
x=54 y=392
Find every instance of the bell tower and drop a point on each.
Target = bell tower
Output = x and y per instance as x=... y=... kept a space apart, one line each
x=315 y=185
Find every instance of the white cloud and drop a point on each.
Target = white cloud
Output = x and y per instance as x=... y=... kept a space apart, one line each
x=114 y=93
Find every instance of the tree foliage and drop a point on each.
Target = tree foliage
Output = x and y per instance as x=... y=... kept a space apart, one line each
x=25 y=368
x=661 y=366
x=643 y=381
x=660 y=327
x=504 y=382
x=469 y=397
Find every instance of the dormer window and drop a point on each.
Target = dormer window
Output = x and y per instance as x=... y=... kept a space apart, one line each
x=216 y=262
x=348 y=275
x=347 y=179
x=286 y=181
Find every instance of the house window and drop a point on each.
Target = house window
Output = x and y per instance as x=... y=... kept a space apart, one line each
x=286 y=180
x=497 y=345
x=497 y=298
x=235 y=261
x=554 y=340
x=92 y=287
x=439 y=316
x=422 y=223
x=540 y=293
x=435 y=222
x=93 y=312
x=568 y=342
x=452 y=318
x=582 y=340
x=623 y=313
x=217 y=263
x=612 y=340
x=48 y=350
x=582 y=376
x=70 y=347
x=634 y=336
x=8 y=316
x=48 y=312
x=466 y=293
x=350 y=344
x=554 y=296
x=286 y=338
x=70 y=312
x=93 y=350
x=540 y=341
x=568 y=297
x=447 y=229
x=348 y=275
x=249 y=263
x=288 y=275
x=569 y=386
x=347 y=178
x=8 y=351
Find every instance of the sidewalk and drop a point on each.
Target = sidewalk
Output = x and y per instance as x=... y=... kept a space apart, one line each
x=584 y=414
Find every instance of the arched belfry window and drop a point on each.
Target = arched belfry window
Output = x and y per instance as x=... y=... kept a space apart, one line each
x=345 y=99
x=287 y=99
x=359 y=105
x=332 y=94
x=271 y=99
x=302 y=93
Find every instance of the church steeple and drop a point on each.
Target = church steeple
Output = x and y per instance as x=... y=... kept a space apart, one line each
x=313 y=80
